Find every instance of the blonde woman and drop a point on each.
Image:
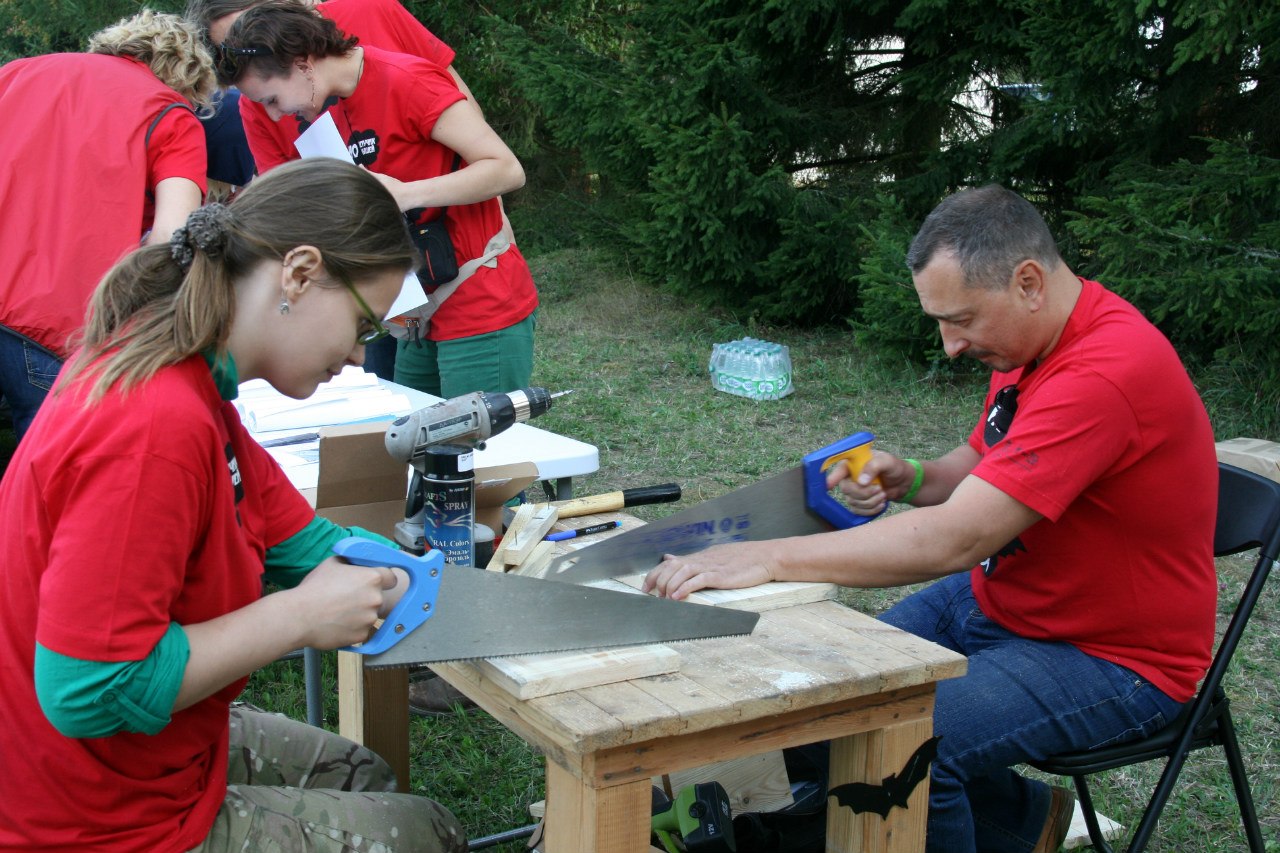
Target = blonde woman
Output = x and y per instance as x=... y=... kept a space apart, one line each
x=102 y=151
x=138 y=521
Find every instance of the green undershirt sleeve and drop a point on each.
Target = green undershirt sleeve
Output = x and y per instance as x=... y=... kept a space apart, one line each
x=90 y=699
x=290 y=561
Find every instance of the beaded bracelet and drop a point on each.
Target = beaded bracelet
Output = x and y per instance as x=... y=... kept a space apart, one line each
x=916 y=483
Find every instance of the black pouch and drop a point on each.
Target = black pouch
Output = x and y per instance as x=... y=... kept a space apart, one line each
x=439 y=262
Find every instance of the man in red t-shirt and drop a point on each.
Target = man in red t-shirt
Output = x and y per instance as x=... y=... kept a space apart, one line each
x=1083 y=595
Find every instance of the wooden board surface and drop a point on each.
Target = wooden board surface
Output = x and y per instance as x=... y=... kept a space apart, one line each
x=1252 y=454
x=529 y=676
x=792 y=661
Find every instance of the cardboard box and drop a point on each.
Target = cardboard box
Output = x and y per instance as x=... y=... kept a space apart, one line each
x=1252 y=454
x=360 y=484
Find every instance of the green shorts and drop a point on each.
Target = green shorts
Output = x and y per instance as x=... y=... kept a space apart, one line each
x=495 y=362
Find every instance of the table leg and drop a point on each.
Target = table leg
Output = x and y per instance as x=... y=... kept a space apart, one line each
x=582 y=819
x=558 y=490
x=872 y=757
x=373 y=709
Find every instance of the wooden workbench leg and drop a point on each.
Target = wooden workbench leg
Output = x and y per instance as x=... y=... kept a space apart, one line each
x=871 y=757
x=582 y=819
x=373 y=709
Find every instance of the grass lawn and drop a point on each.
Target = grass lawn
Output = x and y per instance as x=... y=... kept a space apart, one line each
x=637 y=361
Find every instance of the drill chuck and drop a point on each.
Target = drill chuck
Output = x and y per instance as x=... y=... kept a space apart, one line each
x=529 y=402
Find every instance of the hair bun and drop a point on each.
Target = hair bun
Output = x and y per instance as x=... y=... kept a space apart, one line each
x=206 y=230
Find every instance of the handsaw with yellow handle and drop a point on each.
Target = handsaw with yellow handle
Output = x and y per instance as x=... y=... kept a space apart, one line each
x=793 y=503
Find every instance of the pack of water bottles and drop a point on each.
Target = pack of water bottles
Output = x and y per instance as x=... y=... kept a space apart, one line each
x=752 y=368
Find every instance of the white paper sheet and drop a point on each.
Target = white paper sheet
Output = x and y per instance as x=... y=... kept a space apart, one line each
x=322 y=139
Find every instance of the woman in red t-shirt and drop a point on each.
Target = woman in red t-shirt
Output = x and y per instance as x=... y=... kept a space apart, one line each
x=405 y=120
x=139 y=521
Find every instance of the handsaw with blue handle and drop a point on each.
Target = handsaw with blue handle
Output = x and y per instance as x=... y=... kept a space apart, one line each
x=793 y=503
x=452 y=613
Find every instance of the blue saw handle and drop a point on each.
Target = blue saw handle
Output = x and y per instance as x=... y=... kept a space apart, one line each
x=816 y=496
x=419 y=600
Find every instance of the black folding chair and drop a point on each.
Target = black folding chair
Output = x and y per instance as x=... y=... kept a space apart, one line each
x=1248 y=517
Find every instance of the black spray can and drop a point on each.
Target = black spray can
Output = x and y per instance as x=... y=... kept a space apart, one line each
x=449 y=490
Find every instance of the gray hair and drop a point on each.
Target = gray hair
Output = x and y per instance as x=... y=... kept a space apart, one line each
x=989 y=230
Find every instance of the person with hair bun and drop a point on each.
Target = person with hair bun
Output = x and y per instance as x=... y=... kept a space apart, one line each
x=139 y=522
x=406 y=121
x=102 y=151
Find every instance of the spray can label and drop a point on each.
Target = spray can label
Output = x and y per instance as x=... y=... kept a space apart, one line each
x=449 y=517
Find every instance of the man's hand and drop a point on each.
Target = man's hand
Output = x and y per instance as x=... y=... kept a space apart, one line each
x=733 y=566
x=885 y=477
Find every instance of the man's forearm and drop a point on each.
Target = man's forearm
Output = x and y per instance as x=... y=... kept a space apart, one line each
x=944 y=474
x=907 y=547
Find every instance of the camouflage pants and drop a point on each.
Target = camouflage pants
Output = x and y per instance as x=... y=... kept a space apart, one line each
x=293 y=788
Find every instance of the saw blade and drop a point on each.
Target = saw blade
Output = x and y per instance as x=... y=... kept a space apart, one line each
x=770 y=509
x=482 y=614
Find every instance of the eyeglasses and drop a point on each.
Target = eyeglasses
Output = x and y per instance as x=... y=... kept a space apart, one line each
x=379 y=331
x=1000 y=416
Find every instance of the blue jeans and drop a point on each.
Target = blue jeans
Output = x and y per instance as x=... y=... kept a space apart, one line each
x=27 y=371
x=1020 y=700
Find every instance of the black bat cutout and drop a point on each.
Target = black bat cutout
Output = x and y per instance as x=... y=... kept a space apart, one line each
x=894 y=790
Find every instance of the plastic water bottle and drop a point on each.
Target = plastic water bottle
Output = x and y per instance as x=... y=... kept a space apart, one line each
x=751 y=368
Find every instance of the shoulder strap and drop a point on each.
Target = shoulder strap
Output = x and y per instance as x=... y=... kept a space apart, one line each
x=155 y=121
x=146 y=141
x=413 y=213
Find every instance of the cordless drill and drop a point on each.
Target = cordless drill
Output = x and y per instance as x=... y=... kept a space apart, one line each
x=699 y=816
x=465 y=421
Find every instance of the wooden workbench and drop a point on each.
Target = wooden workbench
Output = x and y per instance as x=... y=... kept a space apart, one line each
x=808 y=673
x=811 y=672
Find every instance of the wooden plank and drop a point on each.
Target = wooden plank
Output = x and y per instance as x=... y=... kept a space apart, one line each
x=386 y=732
x=757 y=599
x=754 y=783
x=529 y=535
x=666 y=754
x=583 y=819
x=870 y=758
x=535 y=565
x=939 y=662
x=530 y=676
x=497 y=563
x=1252 y=454
x=1078 y=835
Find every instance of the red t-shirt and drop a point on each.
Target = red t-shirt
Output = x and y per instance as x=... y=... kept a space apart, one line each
x=1112 y=445
x=76 y=177
x=377 y=23
x=116 y=520
x=387 y=124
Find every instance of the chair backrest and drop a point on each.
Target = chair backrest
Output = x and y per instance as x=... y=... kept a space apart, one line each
x=1248 y=513
x=1248 y=517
